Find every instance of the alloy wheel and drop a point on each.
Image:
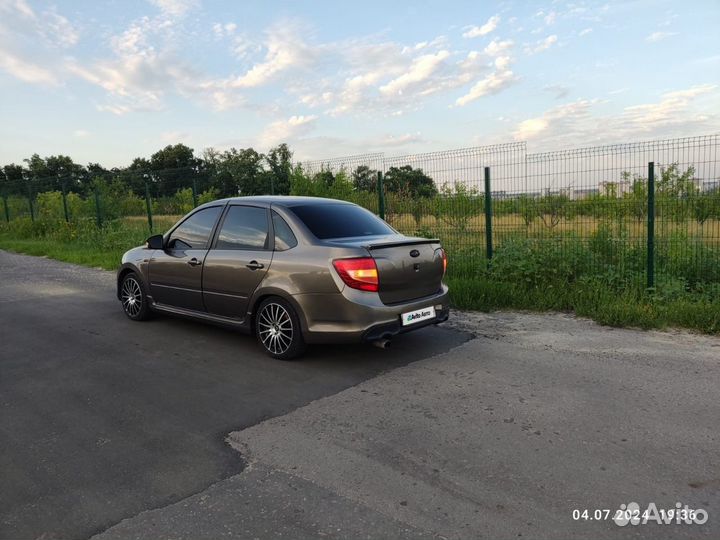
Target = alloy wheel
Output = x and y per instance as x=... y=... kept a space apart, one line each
x=275 y=328
x=131 y=297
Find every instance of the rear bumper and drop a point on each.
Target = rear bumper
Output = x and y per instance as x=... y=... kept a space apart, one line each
x=355 y=316
x=388 y=330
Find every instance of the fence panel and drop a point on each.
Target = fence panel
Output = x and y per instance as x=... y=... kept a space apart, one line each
x=582 y=212
x=441 y=194
x=592 y=204
x=351 y=178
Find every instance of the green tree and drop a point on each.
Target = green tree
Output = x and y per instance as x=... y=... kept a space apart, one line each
x=137 y=174
x=279 y=160
x=703 y=206
x=364 y=178
x=676 y=184
x=243 y=172
x=11 y=180
x=47 y=173
x=173 y=168
x=408 y=180
x=552 y=208
x=221 y=180
x=457 y=205
x=527 y=208
x=325 y=177
x=638 y=197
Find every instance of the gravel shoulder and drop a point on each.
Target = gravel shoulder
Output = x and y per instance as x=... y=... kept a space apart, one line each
x=501 y=437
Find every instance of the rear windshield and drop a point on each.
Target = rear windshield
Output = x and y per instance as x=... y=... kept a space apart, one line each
x=340 y=221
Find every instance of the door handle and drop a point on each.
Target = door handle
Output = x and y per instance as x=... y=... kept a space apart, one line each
x=194 y=262
x=254 y=265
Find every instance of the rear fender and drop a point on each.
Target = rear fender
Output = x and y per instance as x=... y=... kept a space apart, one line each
x=263 y=292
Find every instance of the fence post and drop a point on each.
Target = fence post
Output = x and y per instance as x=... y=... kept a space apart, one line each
x=7 y=209
x=651 y=227
x=194 y=190
x=65 y=208
x=30 y=203
x=381 y=195
x=488 y=215
x=98 y=211
x=148 y=206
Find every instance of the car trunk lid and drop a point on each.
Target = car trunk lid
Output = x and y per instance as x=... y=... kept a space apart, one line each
x=408 y=268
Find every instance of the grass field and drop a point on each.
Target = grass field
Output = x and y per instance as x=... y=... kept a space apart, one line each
x=590 y=267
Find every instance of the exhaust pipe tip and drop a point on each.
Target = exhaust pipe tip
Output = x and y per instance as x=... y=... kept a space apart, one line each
x=382 y=343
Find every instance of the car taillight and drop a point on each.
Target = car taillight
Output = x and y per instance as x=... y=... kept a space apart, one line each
x=358 y=273
x=444 y=258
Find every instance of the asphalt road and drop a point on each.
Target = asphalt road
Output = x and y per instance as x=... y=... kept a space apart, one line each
x=102 y=418
x=544 y=426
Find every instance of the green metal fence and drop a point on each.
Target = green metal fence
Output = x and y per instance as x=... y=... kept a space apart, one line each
x=632 y=213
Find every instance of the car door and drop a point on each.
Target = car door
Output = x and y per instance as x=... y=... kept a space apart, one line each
x=238 y=260
x=176 y=271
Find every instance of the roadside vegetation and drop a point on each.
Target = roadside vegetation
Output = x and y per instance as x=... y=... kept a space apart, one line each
x=552 y=252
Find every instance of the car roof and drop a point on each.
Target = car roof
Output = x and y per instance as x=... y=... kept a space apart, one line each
x=281 y=200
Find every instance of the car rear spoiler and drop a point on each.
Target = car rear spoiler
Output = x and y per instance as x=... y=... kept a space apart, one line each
x=409 y=242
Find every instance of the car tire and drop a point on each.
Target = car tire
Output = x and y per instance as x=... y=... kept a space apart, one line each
x=134 y=300
x=277 y=328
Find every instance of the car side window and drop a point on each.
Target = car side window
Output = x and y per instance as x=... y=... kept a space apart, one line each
x=195 y=231
x=284 y=237
x=244 y=227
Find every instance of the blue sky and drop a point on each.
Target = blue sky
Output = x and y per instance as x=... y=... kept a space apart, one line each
x=110 y=81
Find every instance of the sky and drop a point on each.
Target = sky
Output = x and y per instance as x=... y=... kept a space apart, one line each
x=110 y=81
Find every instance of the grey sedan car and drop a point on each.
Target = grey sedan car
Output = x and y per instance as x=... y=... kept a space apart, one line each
x=291 y=270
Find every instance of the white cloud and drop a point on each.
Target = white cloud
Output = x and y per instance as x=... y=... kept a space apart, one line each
x=244 y=48
x=659 y=36
x=496 y=47
x=286 y=130
x=550 y=18
x=81 y=133
x=392 y=141
x=389 y=77
x=144 y=69
x=541 y=45
x=224 y=30
x=579 y=123
x=491 y=84
x=20 y=6
x=175 y=8
x=478 y=31
x=285 y=50
x=585 y=32
x=421 y=69
x=353 y=93
x=31 y=43
x=669 y=109
x=58 y=30
x=558 y=118
x=24 y=70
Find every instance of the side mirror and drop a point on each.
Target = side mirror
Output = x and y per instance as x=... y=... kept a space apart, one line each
x=154 y=242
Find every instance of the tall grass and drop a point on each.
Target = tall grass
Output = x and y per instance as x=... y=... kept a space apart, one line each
x=81 y=241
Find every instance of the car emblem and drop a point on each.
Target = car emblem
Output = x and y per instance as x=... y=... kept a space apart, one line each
x=414 y=253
